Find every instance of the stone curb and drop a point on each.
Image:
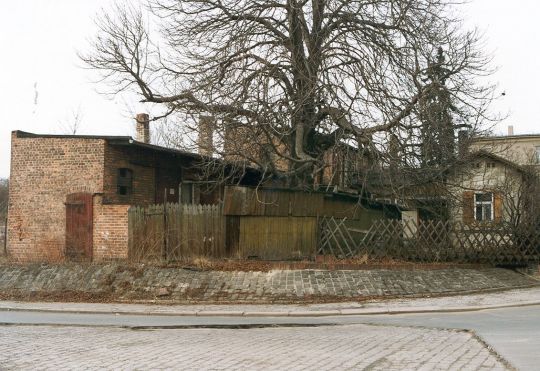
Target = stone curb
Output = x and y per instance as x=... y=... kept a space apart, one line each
x=302 y=313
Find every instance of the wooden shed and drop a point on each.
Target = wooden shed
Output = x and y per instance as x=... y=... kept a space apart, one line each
x=284 y=224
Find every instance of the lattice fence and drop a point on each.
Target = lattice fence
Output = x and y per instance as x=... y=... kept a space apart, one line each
x=431 y=241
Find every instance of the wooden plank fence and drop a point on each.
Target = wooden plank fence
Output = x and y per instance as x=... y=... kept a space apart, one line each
x=431 y=242
x=174 y=232
x=277 y=238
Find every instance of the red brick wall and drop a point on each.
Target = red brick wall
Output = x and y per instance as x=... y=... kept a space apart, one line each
x=43 y=172
x=110 y=231
x=142 y=165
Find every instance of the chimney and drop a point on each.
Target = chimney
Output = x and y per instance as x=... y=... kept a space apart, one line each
x=143 y=128
x=510 y=130
x=393 y=152
x=463 y=142
x=206 y=132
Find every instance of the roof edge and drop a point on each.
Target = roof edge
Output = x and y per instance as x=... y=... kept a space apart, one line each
x=505 y=137
x=26 y=134
x=483 y=153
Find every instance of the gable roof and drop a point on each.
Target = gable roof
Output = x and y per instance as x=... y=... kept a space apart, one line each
x=496 y=158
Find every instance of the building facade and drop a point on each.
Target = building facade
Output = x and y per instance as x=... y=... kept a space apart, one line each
x=497 y=180
x=69 y=195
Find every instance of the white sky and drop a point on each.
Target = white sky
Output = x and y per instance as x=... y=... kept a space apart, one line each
x=39 y=39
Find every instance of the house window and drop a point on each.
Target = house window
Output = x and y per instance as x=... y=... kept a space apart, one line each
x=538 y=154
x=124 y=182
x=483 y=207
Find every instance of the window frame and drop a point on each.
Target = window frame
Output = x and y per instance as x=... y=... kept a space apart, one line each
x=481 y=203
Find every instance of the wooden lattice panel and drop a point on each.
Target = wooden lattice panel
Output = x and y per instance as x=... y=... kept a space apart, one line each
x=432 y=241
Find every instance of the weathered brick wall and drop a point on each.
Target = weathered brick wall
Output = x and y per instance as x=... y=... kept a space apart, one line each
x=152 y=173
x=110 y=231
x=43 y=172
x=143 y=175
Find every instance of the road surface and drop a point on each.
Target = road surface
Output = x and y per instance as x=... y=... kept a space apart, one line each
x=410 y=341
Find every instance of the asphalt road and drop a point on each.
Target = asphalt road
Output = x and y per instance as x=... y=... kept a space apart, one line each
x=513 y=332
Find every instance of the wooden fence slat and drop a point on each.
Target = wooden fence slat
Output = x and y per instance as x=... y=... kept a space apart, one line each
x=190 y=231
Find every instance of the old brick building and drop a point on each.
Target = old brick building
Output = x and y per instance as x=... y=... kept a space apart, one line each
x=69 y=194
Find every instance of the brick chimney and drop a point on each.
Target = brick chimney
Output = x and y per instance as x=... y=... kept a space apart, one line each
x=143 y=128
x=206 y=132
x=510 y=130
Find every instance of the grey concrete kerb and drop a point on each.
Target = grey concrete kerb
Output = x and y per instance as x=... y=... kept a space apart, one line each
x=463 y=303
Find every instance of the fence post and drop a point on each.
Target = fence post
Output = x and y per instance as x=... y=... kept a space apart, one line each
x=317 y=237
x=5 y=236
x=165 y=229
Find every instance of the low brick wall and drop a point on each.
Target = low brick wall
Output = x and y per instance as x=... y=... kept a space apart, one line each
x=110 y=234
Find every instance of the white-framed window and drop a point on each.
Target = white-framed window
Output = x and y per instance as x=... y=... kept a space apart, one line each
x=483 y=207
x=538 y=153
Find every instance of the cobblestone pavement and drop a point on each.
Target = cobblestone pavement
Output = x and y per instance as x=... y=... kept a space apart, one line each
x=521 y=297
x=124 y=282
x=322 y=348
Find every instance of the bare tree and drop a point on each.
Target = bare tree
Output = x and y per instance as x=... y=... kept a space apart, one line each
x=73 y=123
x=290 y=80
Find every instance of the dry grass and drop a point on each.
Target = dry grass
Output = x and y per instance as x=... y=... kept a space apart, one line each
x=231 y=265
x=191 y=296
x=322 y=262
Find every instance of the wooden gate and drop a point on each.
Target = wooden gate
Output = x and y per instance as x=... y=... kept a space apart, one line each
x=79 y=227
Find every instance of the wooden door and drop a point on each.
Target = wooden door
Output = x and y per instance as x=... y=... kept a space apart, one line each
x=79 y=227
x=167 y=182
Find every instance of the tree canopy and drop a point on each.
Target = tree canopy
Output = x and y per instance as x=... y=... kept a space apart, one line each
x=295 y=78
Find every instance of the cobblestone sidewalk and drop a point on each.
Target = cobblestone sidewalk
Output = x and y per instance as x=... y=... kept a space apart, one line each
x=181 y=285
x=522 y=297
x=322 y=348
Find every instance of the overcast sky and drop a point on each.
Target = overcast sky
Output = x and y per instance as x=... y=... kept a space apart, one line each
x=42 y=83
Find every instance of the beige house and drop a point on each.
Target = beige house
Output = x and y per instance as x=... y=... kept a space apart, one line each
x=494 y=184
x=521 y=149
